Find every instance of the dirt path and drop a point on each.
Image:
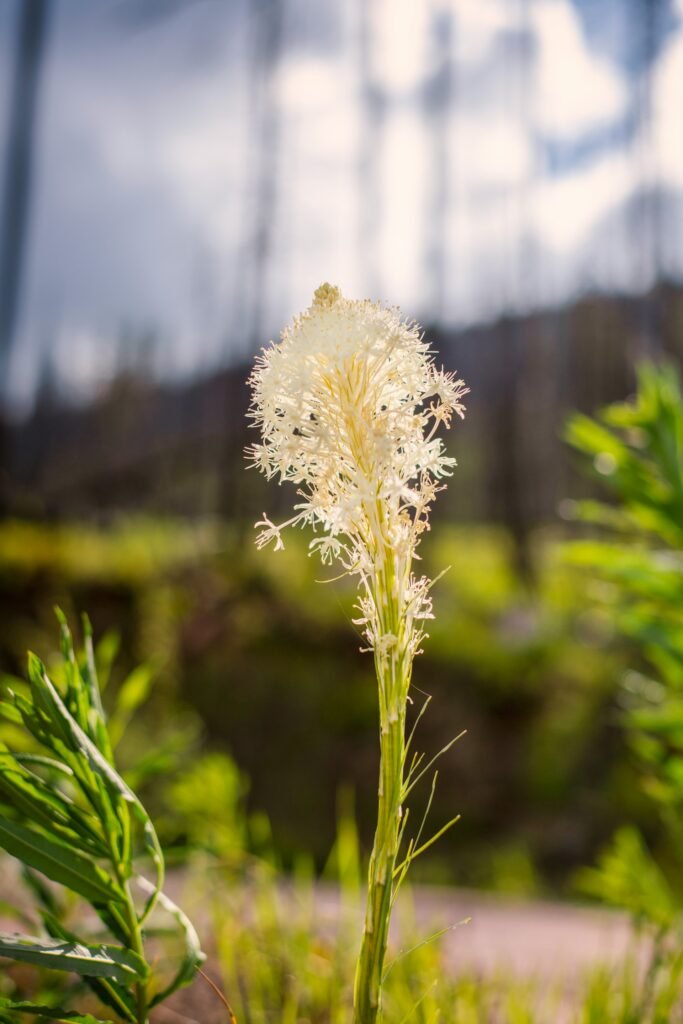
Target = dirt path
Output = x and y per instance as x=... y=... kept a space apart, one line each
x=543 y=939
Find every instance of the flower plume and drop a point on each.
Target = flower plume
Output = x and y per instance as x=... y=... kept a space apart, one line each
x=348 y=405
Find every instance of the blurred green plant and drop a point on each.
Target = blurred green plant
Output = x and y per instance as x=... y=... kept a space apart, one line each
x=636 y=449
x=68 y=817
x=206 y=610
x=206 y=806
x=286 y=949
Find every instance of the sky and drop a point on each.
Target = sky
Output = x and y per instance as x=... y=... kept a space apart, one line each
x=459 y=158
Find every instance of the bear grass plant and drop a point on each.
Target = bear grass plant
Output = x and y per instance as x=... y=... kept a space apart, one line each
x=349 y=405
x=81 y=835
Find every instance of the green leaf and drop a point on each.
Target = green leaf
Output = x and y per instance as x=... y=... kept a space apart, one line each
x=34 y=722
x=113 y=918
x=77 y=695
x=44 y=762
x=52 y=1013
x=193 y=957
x=75 y=957
x=78 y=741
x=105 y=654
x=113 y=994
x=134 y=692
x=89 y=673
x=58 y=861
x=44 y=805
x=45 y=715
x=109 y=991
x=627 y=876
x=41 y=892
x=11 y=682
x=10 y=713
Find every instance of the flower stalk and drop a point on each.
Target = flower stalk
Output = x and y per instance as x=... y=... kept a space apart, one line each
x=348 y=405
x=393 y=678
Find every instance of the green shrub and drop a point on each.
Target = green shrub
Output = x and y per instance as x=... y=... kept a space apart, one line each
x=69 y=818
x=636 y=449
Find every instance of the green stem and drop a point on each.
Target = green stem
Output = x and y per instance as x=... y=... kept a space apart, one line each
x=136 y=944
x=133 y=925
x=651 y=974
x=380 y=881
x=393 y=679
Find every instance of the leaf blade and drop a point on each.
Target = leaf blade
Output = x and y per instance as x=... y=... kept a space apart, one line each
x=52 y=1013
x=193 y=957
x=80 y=742
x=40 y=804
x=59 y=862
x=75 y=957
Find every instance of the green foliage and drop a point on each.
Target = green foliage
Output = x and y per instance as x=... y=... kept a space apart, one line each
x=259 y=658
x=628 y=877
x=636 y=448
x=206 y=803
x=9 y=1009
x=286 y=953
x=68 y=816
x=623 y=996
x=129 y=552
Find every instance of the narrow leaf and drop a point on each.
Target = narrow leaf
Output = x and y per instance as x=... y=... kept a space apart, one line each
x=41 y=892
x=51 y=1013
x=113 y=994
x=75 y=957
x=10 y=713
x=134 y=692
x=193 y=957
x=78 y=740
x=43 y=805
x=105 y=655
x=44 y=762
x=109 y=991
x=58 y=861
x=89 y=673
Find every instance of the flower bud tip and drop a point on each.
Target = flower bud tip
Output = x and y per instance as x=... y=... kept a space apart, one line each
x=326 y=296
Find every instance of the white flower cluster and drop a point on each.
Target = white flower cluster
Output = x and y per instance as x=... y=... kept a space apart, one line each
x=348 y=405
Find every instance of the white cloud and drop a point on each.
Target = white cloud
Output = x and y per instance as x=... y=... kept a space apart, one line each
x=403 y=169
x=667 y=137
x=401 y=43
x=497 y=154
x=477 y=24
x=486 y=16
x=575 y=89
x=307 y=83
x=566 y=208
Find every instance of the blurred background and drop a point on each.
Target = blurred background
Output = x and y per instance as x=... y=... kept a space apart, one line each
x=177 y=178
